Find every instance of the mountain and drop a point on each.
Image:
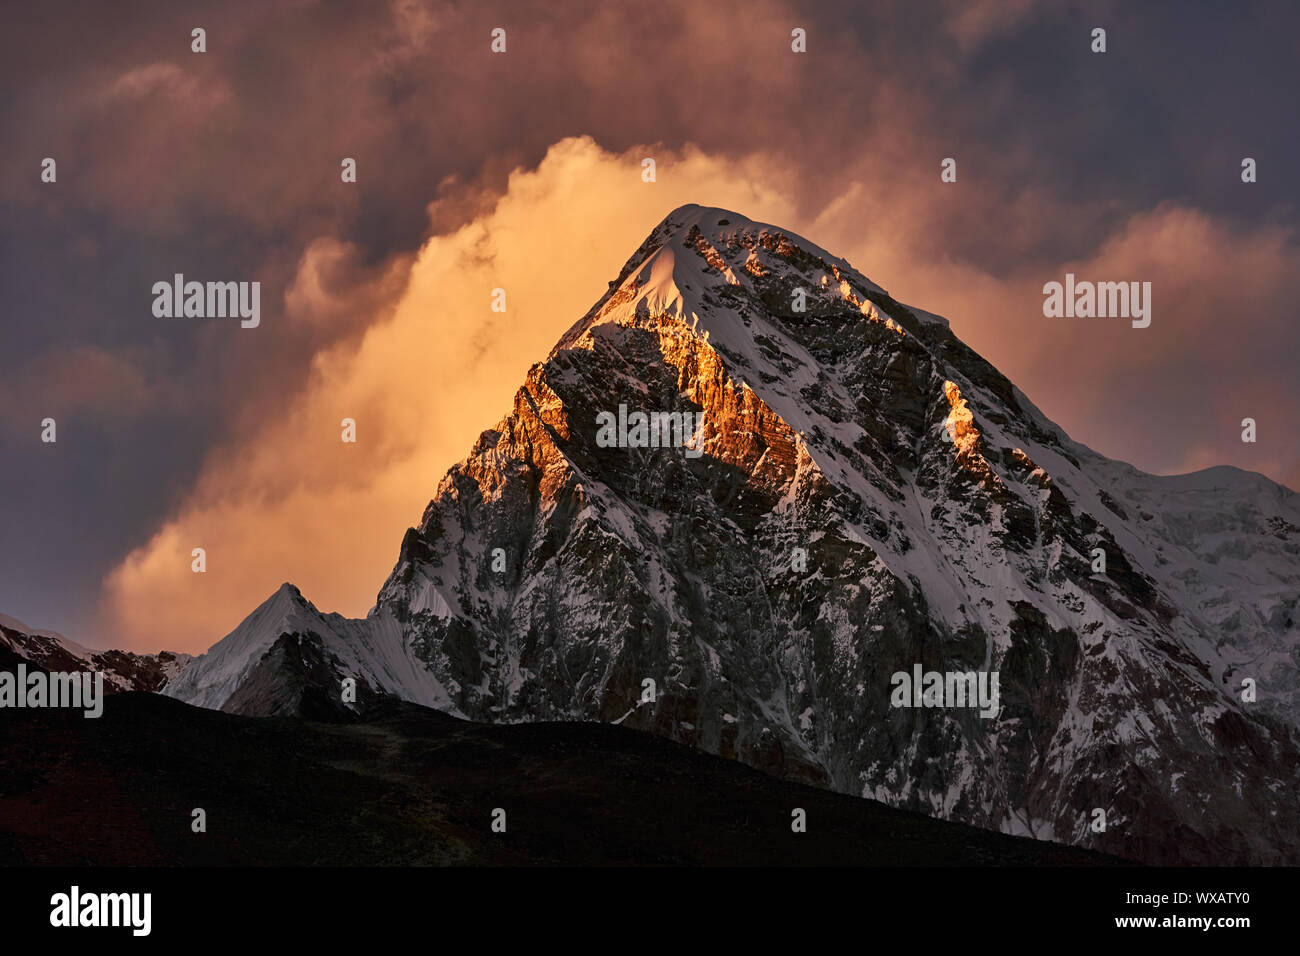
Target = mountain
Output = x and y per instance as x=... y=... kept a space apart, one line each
x=866 y=495
x=287 y=658
x=123 y=670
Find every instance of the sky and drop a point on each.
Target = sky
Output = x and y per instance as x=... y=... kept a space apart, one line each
x=522 y=170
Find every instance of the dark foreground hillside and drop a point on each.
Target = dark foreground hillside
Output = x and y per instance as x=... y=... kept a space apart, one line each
x=414 y=786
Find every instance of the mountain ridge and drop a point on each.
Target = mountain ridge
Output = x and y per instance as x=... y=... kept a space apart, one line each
x=123 y=670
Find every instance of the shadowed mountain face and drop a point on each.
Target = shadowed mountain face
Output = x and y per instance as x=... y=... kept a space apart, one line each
x=123 y=670
x=865 y=495
x=414 y=786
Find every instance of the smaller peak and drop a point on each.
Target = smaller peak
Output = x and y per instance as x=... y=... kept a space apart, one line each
x=286 y=597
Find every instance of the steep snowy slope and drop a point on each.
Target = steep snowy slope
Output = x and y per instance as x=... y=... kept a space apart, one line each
x=872 y=496
x=327 y=649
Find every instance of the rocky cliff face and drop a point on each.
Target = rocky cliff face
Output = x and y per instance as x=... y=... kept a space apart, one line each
x=123 y=670
x=869 y=495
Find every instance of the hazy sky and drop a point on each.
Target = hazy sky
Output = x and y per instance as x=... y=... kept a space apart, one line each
x=522 y=170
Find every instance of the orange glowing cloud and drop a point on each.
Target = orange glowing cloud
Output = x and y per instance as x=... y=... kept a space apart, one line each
x=286 y=499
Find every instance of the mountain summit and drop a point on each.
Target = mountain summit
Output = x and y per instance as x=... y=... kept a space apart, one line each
x=871 y=498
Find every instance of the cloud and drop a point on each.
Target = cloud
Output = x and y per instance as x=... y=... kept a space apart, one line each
x=188 y=92
x=287 y=500
x=971 y=22
x=334 y=289
x=87 y=381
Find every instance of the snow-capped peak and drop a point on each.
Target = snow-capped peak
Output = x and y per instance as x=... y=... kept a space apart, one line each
x=684 y=267
x=871 y=496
